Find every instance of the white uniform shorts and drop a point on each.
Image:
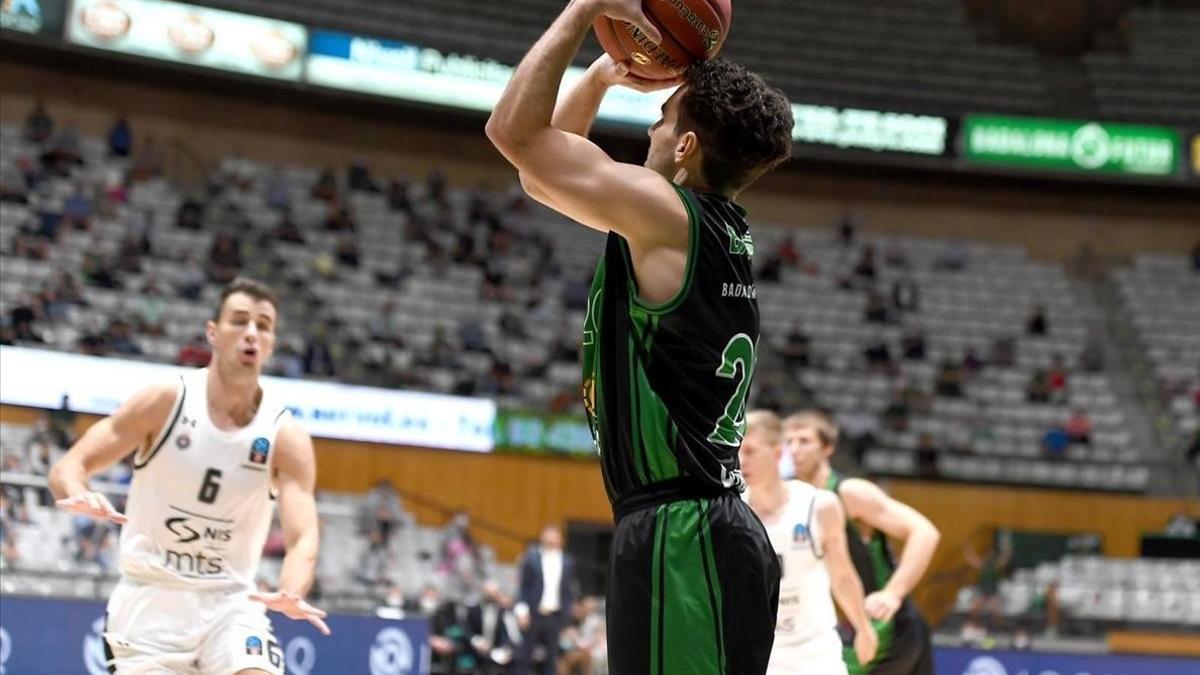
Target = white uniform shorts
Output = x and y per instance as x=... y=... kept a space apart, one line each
x=154 y=629
x=821 y=655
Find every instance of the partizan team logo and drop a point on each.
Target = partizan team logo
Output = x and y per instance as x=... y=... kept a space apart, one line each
x=259 y=449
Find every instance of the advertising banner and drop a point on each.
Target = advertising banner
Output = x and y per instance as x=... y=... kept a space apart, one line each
x=33 y=16
x=41 y=378
x=1066 y=145
x=528 y=432
x=44 y=636
x=875 y=130
x=977 y=662
x=198 y=36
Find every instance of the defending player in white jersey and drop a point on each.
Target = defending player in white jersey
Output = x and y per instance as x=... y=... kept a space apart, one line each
x=212 y=450
x=807 y=531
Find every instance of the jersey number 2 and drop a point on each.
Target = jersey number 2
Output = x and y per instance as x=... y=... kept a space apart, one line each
x=210 y=487
x=737 y=357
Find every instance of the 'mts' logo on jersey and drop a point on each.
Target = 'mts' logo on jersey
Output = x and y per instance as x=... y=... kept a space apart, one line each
x=258 y=450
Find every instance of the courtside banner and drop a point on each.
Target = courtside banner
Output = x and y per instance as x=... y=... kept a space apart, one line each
x=979 y=662
x=33 y=16
x=197 y=36
x=426 y=75
x=41 y=378
x=528 y=432
x=1067 y=145
x=875 y=130
x=45 y=636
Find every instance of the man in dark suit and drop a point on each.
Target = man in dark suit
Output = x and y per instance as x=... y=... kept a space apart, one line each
x=494 y=632
x=544 y=600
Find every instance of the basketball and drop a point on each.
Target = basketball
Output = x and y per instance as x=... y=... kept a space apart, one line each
x=692 y=30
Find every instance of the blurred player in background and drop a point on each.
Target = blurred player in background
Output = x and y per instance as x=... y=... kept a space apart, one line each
x=212 y=451
x=669 y=340
x=872 y=518
x=808 y=530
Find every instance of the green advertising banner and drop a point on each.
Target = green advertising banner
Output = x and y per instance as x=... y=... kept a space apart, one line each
x=1066 y=145
x=534 y=433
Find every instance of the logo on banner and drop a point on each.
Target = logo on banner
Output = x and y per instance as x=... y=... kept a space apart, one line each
x=392 y=653
x=106 y=20
x=5 y=650
x=985 y=665
x=93 y=649
x=300 y=655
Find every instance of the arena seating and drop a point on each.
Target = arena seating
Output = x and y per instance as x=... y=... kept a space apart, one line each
x=1158 y=80
x=1106 y=591
x=994 y=433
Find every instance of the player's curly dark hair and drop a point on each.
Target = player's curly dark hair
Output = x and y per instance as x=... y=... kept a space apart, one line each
x=744 y=125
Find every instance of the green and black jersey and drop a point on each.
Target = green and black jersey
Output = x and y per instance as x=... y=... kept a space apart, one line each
x=665 y=385
x=904 y=647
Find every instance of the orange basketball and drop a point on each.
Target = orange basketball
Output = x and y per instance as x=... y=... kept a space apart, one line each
x=692 y=30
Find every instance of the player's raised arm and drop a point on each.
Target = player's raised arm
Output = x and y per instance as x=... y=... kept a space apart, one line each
x=867 y=502
x=847 y=588
x=295 y=478
x=569 y=172
x=132 y=427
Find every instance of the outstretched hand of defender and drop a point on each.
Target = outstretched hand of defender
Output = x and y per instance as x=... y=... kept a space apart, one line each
x=631 y=11
x=92 y=505
x=616 y=73
x=882 y=605
x=293 y=607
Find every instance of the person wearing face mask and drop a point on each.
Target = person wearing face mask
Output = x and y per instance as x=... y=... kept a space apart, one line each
x=213 y=452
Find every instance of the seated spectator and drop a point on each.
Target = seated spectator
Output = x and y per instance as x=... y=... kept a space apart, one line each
x=93 y=542
x=460 y=558
x=1038 y=389
x=64 y=153
x=339 y=219
x=318 y=356
x=949 y=380
x=147 y=161
x=148 y=309
x=797 y=350
x=847 y=229
x=906 y=295
x=1079 y=427
x=927 y=456
x=119 y=338
x=77 y=210
x=195 y=353
x=325 y=188
x=39 y=126
x=512 y=326
x=500 y=379
x=129 y=254
x=895 y=415
x=952 y=257
x=894 y=255
x=22 y=320
x=442 y=354
x=347 y=252
x=1003 y=353
x=287 y=230
x=277 y=191
x=388 y=324
x=397 y=195
x=471 y=336
x=1035 y=323
x=866 y=267
x=876 y=310
x=224 y=258
x=54 y=308
x=382 y=514
x=878 y=354
x=120 y=138
x=1055 y=442
x=991 y=568
x=92 y=340
x=912 y=343
x=1091 y=357
x=358 y=177
x=190 y=215
x=771 y=269
x=13 y=187
x=1057 y=378
x=493 y=629
x=584 y=641
x=289 y=359
x=971 y=363
x=788 y=252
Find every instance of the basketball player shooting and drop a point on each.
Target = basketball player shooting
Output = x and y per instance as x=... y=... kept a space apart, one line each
x=211 y=451
x=807 y=529
x=669 y=339
x=872 y=518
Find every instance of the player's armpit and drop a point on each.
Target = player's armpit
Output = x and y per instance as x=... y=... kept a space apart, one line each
x=582 y=182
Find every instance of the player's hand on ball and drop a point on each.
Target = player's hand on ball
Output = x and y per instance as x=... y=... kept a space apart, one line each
x=92 y=505
x=882 y=605
x=293 y=607
x=631 y=11
x=866 y=644
x=613 y=73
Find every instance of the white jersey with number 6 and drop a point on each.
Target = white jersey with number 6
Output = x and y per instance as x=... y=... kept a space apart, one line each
x=201 y=500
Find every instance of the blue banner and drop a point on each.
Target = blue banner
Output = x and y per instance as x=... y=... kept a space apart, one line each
x=976 y=662
x=63 y=637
